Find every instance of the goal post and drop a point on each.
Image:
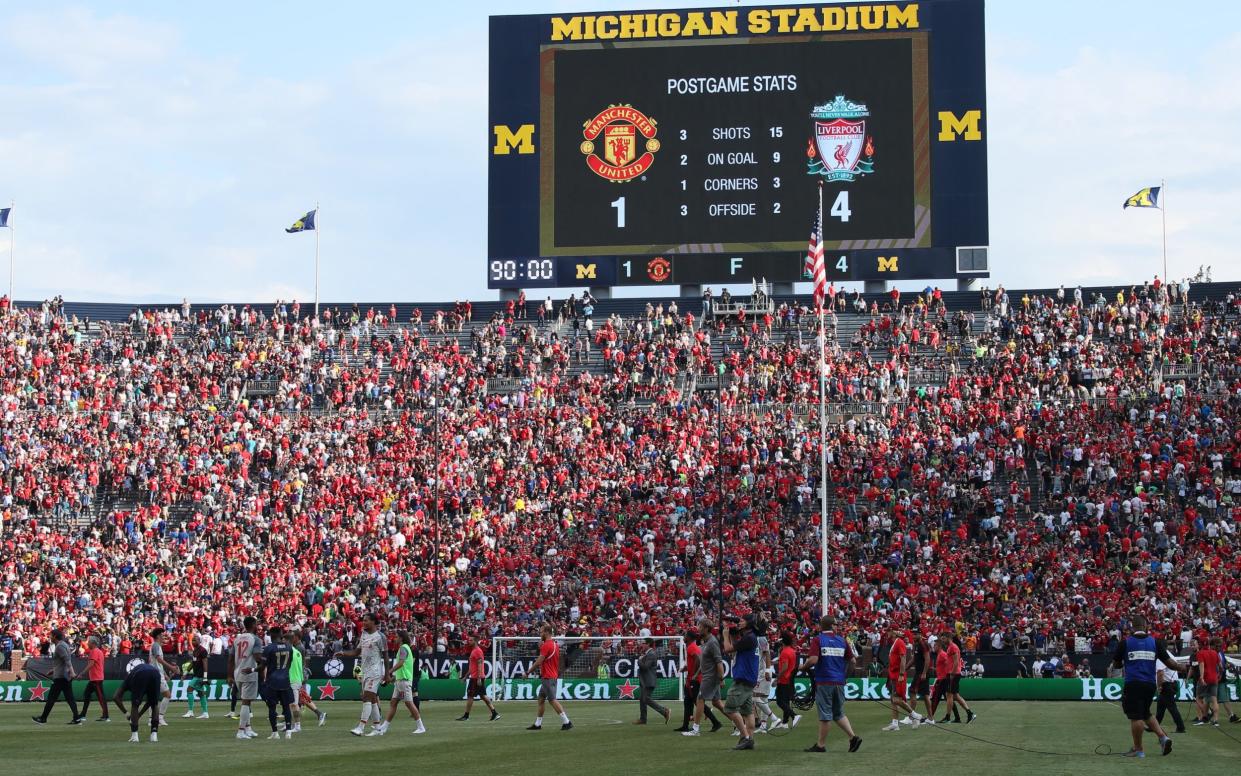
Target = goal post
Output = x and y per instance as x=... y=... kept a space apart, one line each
x=591 y=667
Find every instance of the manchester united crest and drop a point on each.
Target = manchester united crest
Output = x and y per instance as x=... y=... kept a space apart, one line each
x=840 y=149
x=626 y=139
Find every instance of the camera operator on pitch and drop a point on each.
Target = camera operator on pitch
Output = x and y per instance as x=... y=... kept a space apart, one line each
x=741 y=639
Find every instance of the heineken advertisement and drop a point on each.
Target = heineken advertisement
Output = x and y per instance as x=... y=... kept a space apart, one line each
x=627 y=689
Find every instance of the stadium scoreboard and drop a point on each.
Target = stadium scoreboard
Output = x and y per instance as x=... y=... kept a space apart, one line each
x=699 y=146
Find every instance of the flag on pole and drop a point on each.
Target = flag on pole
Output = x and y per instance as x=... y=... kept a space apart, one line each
x=304 y=224
x=816 y=230
x=814 y=254
x=1147 y=197
x=4 y=216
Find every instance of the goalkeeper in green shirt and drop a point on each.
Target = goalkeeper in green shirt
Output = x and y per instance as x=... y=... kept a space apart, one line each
x=297 y=679
x=195 y=669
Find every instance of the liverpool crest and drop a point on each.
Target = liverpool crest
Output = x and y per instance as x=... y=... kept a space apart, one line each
x=627 y=137
x=840 y=149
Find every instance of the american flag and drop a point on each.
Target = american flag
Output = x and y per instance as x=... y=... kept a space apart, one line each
x=814 y=266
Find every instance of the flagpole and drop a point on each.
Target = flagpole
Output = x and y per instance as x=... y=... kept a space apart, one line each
x=316 y=261
x=12 y=238
x=822 y=430
x=1163 y=216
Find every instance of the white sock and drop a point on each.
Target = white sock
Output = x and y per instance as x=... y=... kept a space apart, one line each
x=367 y=707
x=564 y=718
x=163 y=706
x=420 y=725
x=245 y=718
x=538 y=722
x=694 y=726
x=375 y=715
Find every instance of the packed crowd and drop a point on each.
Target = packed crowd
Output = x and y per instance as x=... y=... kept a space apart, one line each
x=1028 y=472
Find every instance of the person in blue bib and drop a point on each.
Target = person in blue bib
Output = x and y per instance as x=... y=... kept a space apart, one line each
x=831 y=657
x=741 y=640
x=1137 y=653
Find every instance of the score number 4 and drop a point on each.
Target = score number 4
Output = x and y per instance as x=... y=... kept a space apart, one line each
x=840 y=208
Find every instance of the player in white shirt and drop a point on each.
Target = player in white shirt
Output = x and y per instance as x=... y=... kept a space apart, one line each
x=242 y=666
x=373 y=653
x=156 y=658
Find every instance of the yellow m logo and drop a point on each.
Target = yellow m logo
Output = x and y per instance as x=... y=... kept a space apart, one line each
x=586 y=271
x=888 y=263
x=967 y=126
x=506 y=139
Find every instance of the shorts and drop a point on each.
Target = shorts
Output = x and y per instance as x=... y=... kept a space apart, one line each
x=709 y=690
x=1202 y=690
x=740 y=699
x=547 y=689
x=477 y=688
x=276 y=696
x=829 y=701
x=942 y=687
x=247 y=686
x=954 y=685
x=762 y=690
x=147 y=691
x=896 y=687
x=1222 y=693
x=1136 y=699
x=921 y=687
x=401 y=691
x=370 y=682
x=196 y=685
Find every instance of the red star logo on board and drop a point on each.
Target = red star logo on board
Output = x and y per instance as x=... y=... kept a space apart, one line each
x=626 y=690
x=38 y=692
x=327 y=691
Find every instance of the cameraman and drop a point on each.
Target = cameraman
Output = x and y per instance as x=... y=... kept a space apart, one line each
x=741 y=639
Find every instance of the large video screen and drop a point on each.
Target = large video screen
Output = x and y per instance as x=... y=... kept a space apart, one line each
x=699 y=146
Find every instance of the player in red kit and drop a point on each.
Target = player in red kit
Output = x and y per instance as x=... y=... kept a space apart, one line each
x=477 y=687
x=899 y=658
x=548 y=666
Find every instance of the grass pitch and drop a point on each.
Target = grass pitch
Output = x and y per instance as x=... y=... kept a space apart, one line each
x=604 y=741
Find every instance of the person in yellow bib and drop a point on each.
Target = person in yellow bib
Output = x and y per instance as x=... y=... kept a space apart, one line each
x=405 y=671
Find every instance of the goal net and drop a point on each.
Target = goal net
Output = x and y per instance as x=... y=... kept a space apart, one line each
x=591 y=667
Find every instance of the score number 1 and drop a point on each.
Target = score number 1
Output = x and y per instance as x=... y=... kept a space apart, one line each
x=619 y=204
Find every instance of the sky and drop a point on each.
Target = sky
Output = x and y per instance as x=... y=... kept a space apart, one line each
x=157 y=150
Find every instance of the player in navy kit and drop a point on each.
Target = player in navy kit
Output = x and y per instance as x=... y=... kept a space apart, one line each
x=1137 y=653
x=274 y=678
x=142 y=684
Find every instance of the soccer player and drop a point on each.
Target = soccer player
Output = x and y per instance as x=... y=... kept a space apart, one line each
x=958 y=665
x=156 y=658
x=1137 y=653
x=404 y=671
x=921 y=687
x=1224 y=669
x=548 y=666
x=244 y=671
x=143 y=685
x=898 y=666
x=830 y=657
x=373 y=650
x=197 y=671
x=762 y=690
x=94 y=678
x=297 y=679
x=710 y=677
x=274 y=678
x=1207 y=659
x=786 y=667
x=477 y=687
x=1167 y=684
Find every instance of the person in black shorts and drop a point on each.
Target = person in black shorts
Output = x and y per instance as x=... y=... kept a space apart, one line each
x=142 y=684
x=919 y=682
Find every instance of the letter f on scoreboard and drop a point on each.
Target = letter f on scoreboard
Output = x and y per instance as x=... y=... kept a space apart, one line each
x=507 y=139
